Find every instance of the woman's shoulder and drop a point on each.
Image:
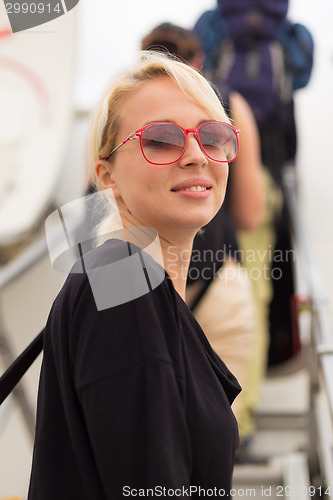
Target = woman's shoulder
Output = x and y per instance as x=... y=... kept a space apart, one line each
x=117 y=272
x=113 y=315
x=112 y=250
x=116 y=289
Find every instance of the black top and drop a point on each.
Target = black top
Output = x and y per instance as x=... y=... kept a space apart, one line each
x=131 y=396
x=212 y=245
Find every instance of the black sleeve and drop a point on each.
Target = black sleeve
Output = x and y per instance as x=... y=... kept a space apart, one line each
x=129 y=388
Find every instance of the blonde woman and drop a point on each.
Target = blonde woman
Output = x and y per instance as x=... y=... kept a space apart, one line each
x=132 y=397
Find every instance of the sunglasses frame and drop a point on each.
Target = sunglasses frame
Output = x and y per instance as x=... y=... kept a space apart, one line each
x=139 y=132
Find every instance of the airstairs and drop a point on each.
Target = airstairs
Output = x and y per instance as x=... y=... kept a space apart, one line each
x=295 y=414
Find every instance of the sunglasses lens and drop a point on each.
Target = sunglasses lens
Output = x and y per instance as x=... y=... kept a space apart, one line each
x=219 y=141
x=163 y=143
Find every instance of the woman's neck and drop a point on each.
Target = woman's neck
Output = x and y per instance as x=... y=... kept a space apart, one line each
x=173 y=255
x=170 y=248
x=176 y=259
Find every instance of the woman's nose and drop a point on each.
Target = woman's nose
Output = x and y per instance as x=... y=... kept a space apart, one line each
x=193 y=155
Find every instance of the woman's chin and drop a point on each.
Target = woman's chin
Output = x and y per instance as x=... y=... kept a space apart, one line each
x=193 y=223
x=198 y=219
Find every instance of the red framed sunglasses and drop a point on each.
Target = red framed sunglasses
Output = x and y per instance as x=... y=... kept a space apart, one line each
x=163 y=143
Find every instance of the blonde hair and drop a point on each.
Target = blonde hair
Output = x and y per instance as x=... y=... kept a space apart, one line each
x=148 y=66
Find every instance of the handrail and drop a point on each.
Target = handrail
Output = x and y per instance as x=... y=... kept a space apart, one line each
x=322 y=330
x=35 y=252
x=8 y=274
x=15 y=268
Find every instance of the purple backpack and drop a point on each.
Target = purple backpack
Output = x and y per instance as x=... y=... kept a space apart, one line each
x=261 y=18
x=251 y=59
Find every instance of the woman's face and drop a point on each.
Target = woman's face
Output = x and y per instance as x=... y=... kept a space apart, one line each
x=152 y=195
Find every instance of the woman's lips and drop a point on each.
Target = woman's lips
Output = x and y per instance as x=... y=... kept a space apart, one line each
x=193 y=194
x=199 y=184
x=193 y=188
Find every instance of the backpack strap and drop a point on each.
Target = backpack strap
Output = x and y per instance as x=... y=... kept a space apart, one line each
x=210 y=28
x=17 y=369
x=298 y=45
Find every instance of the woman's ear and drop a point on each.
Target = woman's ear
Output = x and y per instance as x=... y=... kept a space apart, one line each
x=105 y=174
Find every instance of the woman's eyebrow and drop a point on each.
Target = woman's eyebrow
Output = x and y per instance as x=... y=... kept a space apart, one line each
x=173 y=121
x=159 y=121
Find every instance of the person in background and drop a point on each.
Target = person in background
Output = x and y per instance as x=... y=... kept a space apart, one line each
x=132 y=397
x=253 y=47
x=218 y=289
